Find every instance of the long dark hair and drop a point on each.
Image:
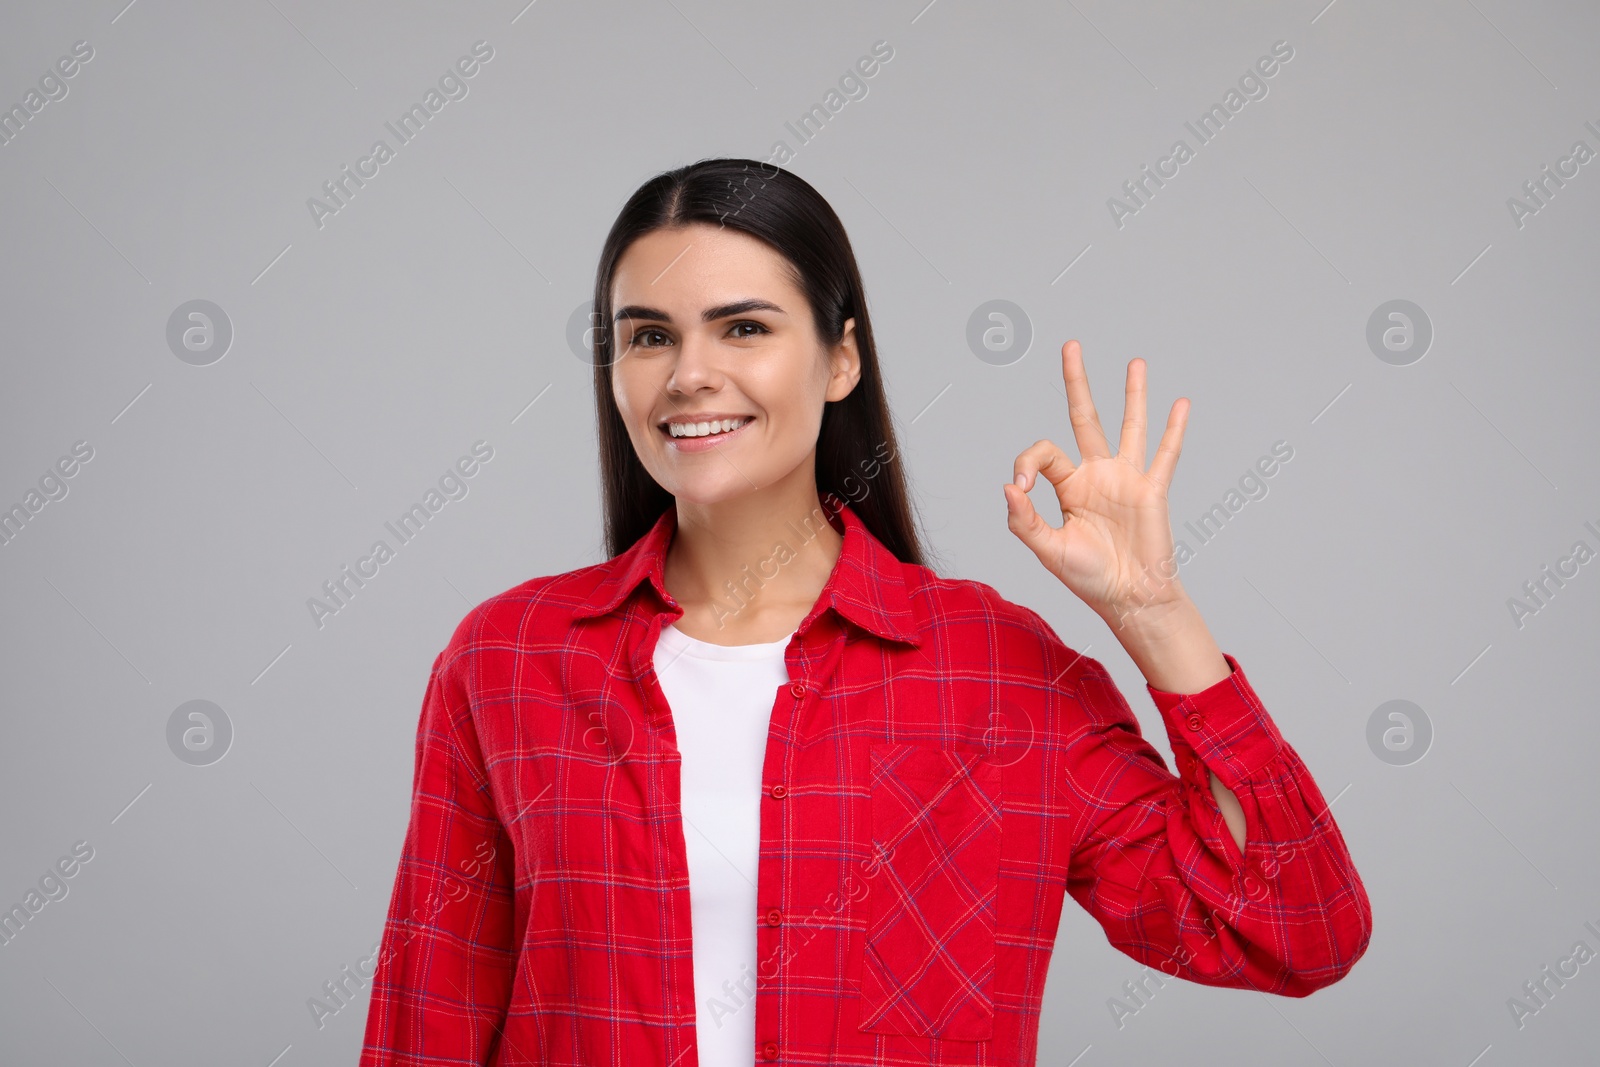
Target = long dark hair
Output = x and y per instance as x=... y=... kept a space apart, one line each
x=856 y=447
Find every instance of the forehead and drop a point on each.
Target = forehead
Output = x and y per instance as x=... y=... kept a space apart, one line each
x=698 y=263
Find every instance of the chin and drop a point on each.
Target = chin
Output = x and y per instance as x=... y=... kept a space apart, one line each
x=707 y=495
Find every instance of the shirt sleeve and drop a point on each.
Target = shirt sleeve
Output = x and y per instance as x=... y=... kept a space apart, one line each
x=446 y=959
x=1153 y=861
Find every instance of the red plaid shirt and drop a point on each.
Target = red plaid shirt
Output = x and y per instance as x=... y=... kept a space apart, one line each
x=941 y=769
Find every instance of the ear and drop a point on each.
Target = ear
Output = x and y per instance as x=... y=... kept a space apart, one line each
x=846 y=363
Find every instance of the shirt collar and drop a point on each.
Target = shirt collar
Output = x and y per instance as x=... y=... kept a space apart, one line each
x=867 y=585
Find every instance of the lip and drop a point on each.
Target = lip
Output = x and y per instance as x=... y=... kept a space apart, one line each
x=706 y=444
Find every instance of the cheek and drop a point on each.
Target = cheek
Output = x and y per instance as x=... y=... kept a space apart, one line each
x=630 y=394
x=794 y=397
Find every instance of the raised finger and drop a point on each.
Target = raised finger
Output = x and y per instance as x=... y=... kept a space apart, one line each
x=1166 y=460
x=1131 y=444
x=1080 y=405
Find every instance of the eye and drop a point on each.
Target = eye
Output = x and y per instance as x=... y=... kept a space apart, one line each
x=648 y=330
x=750 y=322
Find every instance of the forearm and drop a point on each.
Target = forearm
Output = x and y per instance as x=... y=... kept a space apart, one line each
x=1287 y=915
x=1174 y=649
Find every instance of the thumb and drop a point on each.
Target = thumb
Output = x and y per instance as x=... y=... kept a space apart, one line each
x=1024 y=520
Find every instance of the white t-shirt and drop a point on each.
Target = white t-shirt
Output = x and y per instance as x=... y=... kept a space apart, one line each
x=721 y=698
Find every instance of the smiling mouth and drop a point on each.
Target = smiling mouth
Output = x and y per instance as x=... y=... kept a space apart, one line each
x=691 y=431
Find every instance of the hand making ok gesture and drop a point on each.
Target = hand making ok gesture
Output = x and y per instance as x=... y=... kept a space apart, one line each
x=1114 y=548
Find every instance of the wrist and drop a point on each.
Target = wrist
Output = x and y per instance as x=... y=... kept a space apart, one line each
x=1173 y=648
x=1151 y=619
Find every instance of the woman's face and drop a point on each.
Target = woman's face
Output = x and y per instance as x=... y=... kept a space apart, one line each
x=710 y=326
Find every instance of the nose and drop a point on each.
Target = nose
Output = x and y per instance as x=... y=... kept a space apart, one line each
x=695 y=366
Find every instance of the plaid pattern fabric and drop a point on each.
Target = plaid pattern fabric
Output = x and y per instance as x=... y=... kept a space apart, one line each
x=940 y=774
x=929 y=965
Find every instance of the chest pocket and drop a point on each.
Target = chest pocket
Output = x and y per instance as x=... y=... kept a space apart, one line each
x=933 y=878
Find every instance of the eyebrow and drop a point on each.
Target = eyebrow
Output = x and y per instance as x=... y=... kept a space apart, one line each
x=711 y=314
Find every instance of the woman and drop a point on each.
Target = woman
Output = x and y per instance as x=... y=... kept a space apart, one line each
x=762 y=787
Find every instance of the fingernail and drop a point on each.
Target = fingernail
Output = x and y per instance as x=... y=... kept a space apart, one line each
x=1022 y=481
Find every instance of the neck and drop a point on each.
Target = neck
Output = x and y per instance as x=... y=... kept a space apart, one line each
x=749 y=569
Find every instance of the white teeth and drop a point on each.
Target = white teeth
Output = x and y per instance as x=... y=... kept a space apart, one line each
x=704 y=429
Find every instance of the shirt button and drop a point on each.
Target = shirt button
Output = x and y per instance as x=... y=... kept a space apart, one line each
x=1194 y=722
x=779 y=792
x=774 y=917
x=769 y=1050
x=798 y=689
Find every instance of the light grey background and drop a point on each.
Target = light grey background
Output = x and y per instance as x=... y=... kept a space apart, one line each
x=431 y=312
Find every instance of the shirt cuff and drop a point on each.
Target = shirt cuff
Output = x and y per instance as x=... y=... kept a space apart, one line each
x=1225 y=725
